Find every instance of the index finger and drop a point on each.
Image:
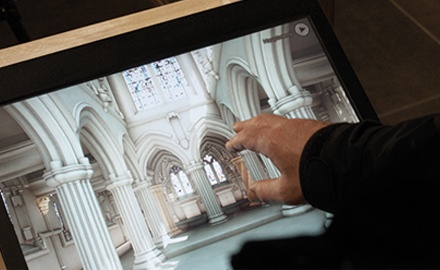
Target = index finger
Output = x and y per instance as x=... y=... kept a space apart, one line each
x=238 y=126
x=234 y=144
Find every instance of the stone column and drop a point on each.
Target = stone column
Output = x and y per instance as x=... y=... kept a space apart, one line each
x=147 y=256
x=163 y=208
x=152 y=212
x=254 y=165
x=296 y=105
x=83 y=215
x=198 y=175
x=272 y=170
x=243 y=171
x=117 y=218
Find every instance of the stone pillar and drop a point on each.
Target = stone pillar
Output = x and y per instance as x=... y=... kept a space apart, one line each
x=152 y=212
x=272 y=170
x=83 y=214
x=296 y=105
x=198 y=175
x=120 y=90
x=117 y=218
x=163 y=208
x=147 y=256
x=243 y=171
x=254 y=165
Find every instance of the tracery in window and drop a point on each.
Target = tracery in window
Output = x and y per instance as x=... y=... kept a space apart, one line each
x=141 y=87
x=180 y=182
x=213 y=170
x=157 y=83
x=204 y=58
x=171 y=79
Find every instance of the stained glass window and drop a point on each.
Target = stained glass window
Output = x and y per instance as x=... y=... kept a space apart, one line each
x=177 y=186
x=185 y=182
x=203 y=58
x=157 y=83
x=141 y=87
x=180 y=182
x=218 y=169
x=213 y=170
x=171 y=78
x=210 y=174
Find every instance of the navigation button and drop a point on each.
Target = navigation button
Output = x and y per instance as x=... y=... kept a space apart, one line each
x=302 y=29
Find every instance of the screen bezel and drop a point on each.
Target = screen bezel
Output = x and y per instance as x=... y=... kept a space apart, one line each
x=68 y=67
x=72 y=66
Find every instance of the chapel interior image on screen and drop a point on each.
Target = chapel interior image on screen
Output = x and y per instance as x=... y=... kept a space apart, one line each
x=130 y=170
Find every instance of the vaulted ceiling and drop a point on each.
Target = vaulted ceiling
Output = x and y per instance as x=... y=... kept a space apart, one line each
x=41 y=18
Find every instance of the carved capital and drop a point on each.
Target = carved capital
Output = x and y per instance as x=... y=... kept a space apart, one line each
x=292 y=103
x=194 y=166
x=119 y=181
x=64 y=174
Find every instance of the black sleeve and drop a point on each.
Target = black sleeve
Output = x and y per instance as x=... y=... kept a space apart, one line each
x=350 y=167
x=382 y=183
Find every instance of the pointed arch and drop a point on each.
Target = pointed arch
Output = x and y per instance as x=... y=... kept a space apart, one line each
x=153 y=143
x=215 y=145
x=214 y=154
x=206 y=126
x=245 y=91
x=50 y=129
x=130 y=157
x=164 y=164
x=96 y=135
x=228 y=115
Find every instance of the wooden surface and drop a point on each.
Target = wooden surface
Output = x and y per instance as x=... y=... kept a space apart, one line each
x=71 y=39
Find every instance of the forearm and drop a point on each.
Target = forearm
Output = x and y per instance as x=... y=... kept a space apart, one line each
x=348 y=166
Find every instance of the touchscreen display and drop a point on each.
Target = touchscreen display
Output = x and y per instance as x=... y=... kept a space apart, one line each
x=130 y=169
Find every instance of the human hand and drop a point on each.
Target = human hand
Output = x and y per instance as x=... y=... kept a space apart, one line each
x=282 y=140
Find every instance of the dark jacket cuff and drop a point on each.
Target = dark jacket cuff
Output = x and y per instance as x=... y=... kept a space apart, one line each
x=316 y=177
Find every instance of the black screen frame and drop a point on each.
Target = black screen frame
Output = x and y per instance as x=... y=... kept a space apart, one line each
x=65 y=68
x=72 y=66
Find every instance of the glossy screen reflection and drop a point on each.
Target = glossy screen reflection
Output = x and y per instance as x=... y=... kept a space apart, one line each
x=136 y=160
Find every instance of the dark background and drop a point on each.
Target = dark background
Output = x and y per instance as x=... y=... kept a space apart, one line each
x=393 y=45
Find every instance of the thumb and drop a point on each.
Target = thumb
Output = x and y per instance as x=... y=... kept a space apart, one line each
x=262 y=190
x=276 y=190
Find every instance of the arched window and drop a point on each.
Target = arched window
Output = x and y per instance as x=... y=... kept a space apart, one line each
x=213 y=170
x=172 y=81
x=157 y=83
x=141 y=87
x=180 y=182
x=204 y=58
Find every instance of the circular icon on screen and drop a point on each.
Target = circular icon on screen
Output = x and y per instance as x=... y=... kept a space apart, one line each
x=302 y=29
